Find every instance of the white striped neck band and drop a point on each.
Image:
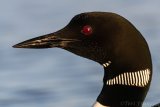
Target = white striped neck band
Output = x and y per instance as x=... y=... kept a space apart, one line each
x=106 y=64
x=139 y=78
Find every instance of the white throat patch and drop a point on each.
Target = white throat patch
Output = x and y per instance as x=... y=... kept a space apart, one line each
x=139 y=78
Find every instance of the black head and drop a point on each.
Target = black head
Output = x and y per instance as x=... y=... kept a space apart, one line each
x=101 y=37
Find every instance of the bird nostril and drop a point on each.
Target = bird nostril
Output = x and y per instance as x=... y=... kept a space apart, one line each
x=87 y=30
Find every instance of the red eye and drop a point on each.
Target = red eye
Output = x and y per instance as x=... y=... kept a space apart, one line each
x=87 y=30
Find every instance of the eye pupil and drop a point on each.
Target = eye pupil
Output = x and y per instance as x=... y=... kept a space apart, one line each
x=87 y=30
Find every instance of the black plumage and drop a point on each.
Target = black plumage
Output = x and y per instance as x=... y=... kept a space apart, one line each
x=113 y=42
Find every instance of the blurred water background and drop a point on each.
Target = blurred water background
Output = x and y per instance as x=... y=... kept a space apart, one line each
x=54 y=77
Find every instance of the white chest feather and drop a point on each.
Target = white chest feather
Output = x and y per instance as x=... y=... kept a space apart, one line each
x=97 y=104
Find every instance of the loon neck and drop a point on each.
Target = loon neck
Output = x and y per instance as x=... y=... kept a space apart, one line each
x=124 y=89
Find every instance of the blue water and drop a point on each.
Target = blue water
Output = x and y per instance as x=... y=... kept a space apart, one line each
x=54 y=77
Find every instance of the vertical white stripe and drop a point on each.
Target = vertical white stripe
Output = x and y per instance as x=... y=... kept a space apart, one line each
x=104 y=65
x=133 y=79
x=148 y=75
x=114 y=81
x=143 y=73
x=119 y=77
x=128 y=78
x=109 y=82
x=145 y=76
x=122 y=79
x=139 y=79
x=142 y=78
x=107 y=64
x=130 y=75
x=117 y=80
x=136 y=75
x=125 y=79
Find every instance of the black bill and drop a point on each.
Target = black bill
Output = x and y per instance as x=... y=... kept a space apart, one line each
x=46 y=41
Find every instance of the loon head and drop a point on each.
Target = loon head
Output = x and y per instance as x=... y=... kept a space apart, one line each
x=113 y=42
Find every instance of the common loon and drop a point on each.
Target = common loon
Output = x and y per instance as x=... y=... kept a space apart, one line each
x=114 y=43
